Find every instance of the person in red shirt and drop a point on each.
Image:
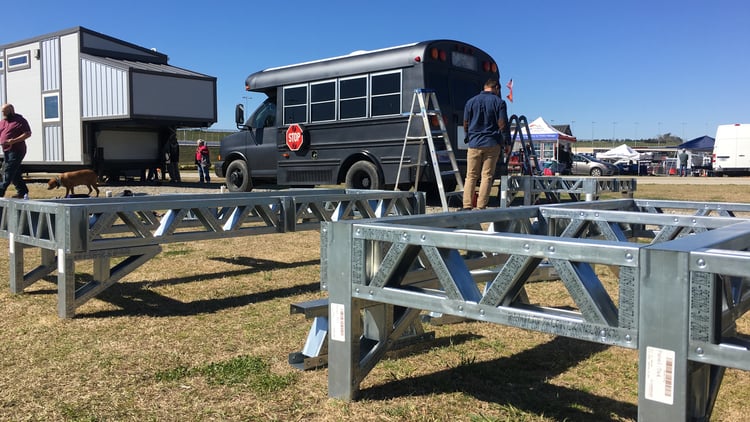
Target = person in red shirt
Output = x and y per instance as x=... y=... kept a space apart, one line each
x=14 y=130
x=203 y=161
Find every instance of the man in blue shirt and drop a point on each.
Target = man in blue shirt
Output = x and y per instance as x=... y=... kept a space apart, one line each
x=487 y=131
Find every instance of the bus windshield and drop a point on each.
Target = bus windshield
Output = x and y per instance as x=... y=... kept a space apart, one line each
x=264 y=115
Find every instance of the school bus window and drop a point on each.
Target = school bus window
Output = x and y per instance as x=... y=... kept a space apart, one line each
x=464 y=60
x=353 y=98
x=265 y=115
x=295 y=104
x=386 y=94
x=323 y=101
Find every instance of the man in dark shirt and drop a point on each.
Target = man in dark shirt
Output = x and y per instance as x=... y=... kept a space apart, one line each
x=14 y=130
x=487 y=130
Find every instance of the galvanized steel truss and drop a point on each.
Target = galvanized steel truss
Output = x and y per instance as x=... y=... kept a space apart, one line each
x=682 y=284
x=130 y=230
x=553 y=188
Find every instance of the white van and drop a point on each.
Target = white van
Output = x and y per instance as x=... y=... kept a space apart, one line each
x=731 y=154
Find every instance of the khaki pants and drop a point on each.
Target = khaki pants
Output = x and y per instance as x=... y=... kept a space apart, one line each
x=480 y=161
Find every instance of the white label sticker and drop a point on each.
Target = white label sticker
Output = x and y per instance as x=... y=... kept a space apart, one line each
x=660 y=375
x=337 y=317
x=61 y=261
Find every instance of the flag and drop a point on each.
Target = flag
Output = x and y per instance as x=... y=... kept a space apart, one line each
x=510 y=90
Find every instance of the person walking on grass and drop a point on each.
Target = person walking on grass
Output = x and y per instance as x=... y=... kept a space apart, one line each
x=203 y=161
x=14 y=130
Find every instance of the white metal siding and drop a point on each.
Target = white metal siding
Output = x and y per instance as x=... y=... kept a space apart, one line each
x=53 y=146
x=74 y=150
x=104 y=91
x=51 y=65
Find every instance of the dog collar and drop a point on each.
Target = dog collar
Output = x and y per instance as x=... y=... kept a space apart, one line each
x=57 y=179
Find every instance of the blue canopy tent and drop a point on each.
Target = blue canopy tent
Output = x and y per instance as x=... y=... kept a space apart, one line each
x=703 y=143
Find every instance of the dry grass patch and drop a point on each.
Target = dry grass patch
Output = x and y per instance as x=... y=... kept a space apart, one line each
x=202 y=332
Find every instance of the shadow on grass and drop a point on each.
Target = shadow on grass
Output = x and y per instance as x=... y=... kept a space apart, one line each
x=138 y=299
x=519 y=382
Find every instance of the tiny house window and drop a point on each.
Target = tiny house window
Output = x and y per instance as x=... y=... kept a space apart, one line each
x=323 y=101
x=19 y=61
x=2 y=64
x=51 y=104
x=353 y=98
x=295 y=104
x=386 y=94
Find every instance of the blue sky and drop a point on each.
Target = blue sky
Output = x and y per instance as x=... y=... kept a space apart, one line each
x=626 y=69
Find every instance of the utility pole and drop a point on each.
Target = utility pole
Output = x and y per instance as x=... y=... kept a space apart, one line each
x=592 y=130
x=614 y=124
x=658 y=140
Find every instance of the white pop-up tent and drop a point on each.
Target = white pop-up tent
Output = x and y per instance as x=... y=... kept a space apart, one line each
x=548 y=140
x=541 y=131
x=622 y=152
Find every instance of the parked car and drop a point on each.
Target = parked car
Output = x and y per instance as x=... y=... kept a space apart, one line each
x=589 y=166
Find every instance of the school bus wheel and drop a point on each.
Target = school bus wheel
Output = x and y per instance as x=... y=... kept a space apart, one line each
x=363 y=175
x=238 y=177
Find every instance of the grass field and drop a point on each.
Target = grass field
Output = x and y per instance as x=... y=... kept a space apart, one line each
x=202 y=333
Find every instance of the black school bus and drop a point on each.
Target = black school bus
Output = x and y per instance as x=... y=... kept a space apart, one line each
x=353 y=113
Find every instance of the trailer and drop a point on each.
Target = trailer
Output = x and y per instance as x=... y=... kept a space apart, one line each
x=94 y=101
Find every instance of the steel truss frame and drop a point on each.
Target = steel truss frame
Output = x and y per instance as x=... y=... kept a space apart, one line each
x=554 y=187
x=682 y=283
x=129 y=230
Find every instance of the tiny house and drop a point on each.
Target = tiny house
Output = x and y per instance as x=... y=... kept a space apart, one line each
x=94 y=101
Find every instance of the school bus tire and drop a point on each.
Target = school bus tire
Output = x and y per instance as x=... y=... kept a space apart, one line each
x=238 y=177
x=363 y=175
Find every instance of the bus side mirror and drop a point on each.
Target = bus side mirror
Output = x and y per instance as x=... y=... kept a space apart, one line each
x=239 y=115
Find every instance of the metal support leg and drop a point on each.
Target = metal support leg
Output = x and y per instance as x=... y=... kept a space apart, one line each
x=343 y=313
x=66 y=285
x=15 y=260
x=670 y=387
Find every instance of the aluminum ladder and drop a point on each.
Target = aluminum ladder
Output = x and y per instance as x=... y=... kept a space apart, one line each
x=427 y=102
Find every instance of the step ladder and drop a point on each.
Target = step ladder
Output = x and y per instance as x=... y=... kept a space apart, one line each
x=530 y=163
x=426 y=101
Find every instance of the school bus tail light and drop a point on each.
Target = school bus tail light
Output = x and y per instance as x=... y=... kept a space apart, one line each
x=438 y=54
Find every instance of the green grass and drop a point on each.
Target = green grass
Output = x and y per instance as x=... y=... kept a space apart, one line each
x=250 y=371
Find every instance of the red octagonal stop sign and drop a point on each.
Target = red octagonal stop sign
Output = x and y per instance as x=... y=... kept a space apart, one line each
x=294 y=137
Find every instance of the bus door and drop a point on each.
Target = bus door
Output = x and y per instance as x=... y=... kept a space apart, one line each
x=262 y=141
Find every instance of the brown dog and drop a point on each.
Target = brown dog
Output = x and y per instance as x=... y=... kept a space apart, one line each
x=71 y=179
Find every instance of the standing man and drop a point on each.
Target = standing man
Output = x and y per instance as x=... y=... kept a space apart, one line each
x=173 y=162
x=683 y=158
x=14 y=130
x=487 y=131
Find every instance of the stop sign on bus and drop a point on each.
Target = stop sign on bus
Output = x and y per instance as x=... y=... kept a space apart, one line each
x=294 y=137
